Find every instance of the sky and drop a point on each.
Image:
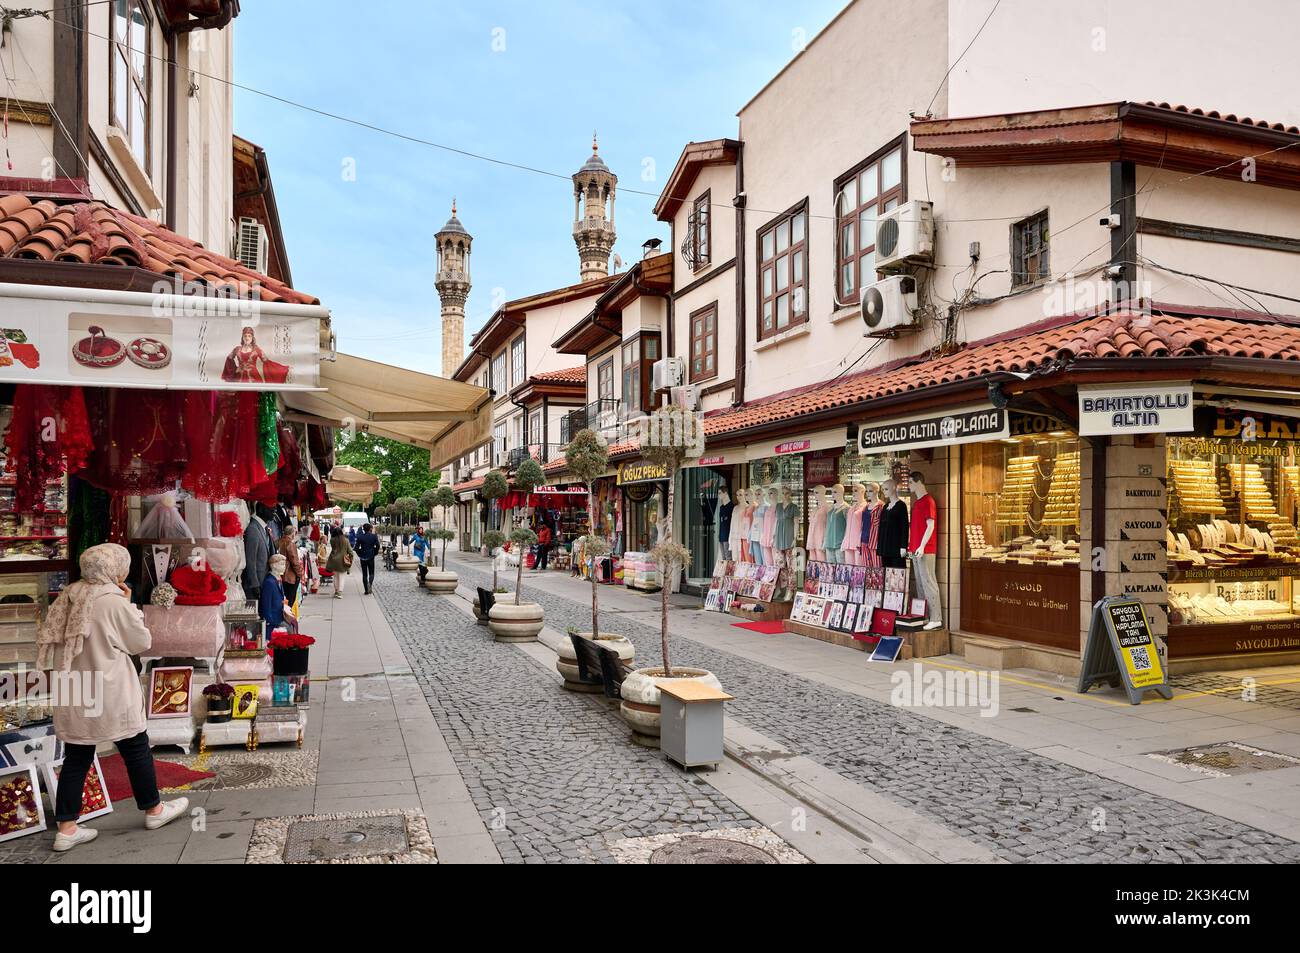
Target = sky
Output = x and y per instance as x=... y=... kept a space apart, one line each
x=527 y=83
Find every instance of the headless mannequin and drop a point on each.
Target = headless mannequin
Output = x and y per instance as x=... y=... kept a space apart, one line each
x=836 y=521
x=817 y=524
x=849 y=546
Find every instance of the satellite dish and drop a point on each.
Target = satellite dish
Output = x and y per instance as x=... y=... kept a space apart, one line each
x=618 y=262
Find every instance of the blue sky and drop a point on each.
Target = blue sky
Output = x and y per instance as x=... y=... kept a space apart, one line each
x=648 y=77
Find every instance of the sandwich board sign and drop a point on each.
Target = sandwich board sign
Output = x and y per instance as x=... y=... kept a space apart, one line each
x=1122 y=651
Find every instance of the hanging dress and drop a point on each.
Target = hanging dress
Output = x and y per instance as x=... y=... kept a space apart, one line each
x=787 y=513
x=817 y=527
x=853 y=529
x=871 y=534
x=835 y=525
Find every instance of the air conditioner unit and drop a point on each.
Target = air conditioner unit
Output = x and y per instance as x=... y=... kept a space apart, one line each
x=905 y=236
x=669 y=372
x=888 y=306
x=687 y=396
x=251 y=244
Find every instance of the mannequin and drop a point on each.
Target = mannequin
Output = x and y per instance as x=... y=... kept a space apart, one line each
x=746 y=522
x=892 y=543
x=786 y=514
x=871 y=525
x=817 y=523
x=836 y=523
x=756 y=527
x=725 y=506
x=853 y=528
x=737 y=521
x=769 y=526
x=922 y=545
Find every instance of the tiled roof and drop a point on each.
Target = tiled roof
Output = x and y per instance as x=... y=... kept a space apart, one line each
x=569 y=375
x=95 y=233
x=468 y=485
x=1122 y=335
x=1227 y=117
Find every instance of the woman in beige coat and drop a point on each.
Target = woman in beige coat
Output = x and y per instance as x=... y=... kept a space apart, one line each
x=89 y=636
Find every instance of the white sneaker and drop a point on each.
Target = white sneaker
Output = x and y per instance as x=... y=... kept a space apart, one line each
x=64 y=842
x=338 y=595
x=934 y=625
x=170 y=811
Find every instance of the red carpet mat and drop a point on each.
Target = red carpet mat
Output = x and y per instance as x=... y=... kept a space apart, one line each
x=766 y=628
x=170 y=775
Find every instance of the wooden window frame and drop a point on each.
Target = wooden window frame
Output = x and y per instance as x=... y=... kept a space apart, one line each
x=143 y=85
x=518 y=370
x=1020 y=277
x=853 y=217
x=535 y=428
x=788 y=253
x=607 y=364
x=502 y=386
x=642 y=366
x=702 y=251
x=710 y=310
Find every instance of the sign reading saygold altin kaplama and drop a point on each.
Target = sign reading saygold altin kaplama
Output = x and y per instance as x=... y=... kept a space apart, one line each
x=1145 y=407
x=964 y=425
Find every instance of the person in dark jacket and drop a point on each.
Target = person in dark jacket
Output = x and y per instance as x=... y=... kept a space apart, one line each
x=892 y=542
x=257 y=551
x=367 y=548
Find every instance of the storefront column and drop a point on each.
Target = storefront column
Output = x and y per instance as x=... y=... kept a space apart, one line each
x=1134 y=557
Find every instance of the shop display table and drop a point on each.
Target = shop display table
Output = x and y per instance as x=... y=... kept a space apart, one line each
x=279 y=724
x=237 y=731
x=170 y=731
x=184 y=632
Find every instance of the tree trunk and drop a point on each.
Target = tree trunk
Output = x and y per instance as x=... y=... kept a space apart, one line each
x=665 y=537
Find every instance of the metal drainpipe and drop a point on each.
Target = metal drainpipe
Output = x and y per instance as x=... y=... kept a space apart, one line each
x=169 y=215
x=738 y=396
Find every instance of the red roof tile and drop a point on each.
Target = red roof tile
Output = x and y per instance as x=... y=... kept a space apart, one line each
x=94 y=233
x=1227 y=117
x=570 y=375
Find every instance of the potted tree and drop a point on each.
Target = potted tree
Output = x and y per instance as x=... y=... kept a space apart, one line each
x=493 y=540
x=520 y=621
x=586 y=457
x=442 y=579
x=668 y=436
x=404 y=507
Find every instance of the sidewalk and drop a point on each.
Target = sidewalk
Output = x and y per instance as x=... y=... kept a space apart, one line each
x=1052 y=776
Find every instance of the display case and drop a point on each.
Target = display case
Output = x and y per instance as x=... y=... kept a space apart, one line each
x=1233 y=549
x=24 y=599
x=1020 y=537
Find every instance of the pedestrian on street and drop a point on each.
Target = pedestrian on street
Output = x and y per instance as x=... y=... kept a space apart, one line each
x=90 y=633
x=293 y=572
x=367 y=550
x=352 y=536
x=273 y=605
x=543 y=546
x=419 y=549
x=340 y=560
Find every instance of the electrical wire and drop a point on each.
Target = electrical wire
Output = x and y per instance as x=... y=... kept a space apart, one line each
x=962 y=56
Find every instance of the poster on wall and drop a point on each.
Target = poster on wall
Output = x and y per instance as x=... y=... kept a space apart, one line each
x=1160 y=407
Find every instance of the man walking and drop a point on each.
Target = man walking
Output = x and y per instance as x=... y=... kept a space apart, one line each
x=367 y=549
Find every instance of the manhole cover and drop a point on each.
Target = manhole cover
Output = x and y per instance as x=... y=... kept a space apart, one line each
x=1226 y=759
x=316 y=841
x=710 y=850
x=241 y=774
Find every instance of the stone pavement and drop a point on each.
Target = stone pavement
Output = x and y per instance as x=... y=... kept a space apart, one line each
x=1054 y=776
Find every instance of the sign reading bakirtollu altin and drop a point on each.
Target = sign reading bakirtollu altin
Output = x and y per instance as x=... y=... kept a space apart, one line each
x=1159 y=407
x=963 y=425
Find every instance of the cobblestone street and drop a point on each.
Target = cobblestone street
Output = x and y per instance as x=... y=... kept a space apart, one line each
x=522 y=742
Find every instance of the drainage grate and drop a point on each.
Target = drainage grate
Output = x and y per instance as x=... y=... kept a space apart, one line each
x=323 y=841
x=1226 y=759
x=710 y=850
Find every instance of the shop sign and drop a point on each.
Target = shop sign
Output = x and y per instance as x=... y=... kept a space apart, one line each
x=792 y=446
x=1247 y=426
x=821 y=468
x=44 y=342
x=712 y=461
x=965 y=425
x=1035 y=425
x=1120 y=644
x=641 y=472
x=1135 y=408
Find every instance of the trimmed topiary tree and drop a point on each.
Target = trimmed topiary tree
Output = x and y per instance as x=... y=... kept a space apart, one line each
x=494 y=487
x=427 y=501
x=494 y=539
x=444 y=498
x=528 y=478
x=587 y=456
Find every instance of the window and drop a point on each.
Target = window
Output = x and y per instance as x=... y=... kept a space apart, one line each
x=639 y=356
x=535 y=429
x=631 y=377
x=783 y=272
x=1030 y=263
x=499 y=373
x=875 y=185
x=699 y=235
x=129 y=74
x=517 y=430
x=517 y=361
x=704 y=343
x=605 y=380
x=498 y=441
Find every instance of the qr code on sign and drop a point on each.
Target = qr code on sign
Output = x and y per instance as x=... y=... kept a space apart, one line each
x=1141 y=661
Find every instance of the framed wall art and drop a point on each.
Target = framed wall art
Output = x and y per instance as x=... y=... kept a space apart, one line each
x=170 y=694
x=94 y=793
x=21 y=811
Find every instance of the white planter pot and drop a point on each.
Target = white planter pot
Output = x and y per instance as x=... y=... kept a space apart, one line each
x=435 y=580
x=567 y=663
x=640 y=705
x=515 y=623
x=407 y=563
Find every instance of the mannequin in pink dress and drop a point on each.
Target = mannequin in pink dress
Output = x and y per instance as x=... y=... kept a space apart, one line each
x=871 y=525
x=746 y=518
x=853 y=528
x=817 y=524
x=769 y=528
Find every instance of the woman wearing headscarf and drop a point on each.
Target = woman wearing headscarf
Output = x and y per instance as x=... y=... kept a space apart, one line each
x=340 y=559
x=293 y=571
x=90 y=634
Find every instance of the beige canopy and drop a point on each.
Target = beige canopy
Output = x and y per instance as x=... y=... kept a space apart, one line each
x=350 y=484
x=447 y=418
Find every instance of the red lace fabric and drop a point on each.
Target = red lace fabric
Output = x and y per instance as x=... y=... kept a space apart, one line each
x=290 y=462
x=48 y=436
x=139 y=439
x=225 y=460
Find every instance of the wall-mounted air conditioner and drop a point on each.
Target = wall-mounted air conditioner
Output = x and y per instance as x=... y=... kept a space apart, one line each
x=888 y=306
x=669 y=372
x=905 y=236
x=252 y=245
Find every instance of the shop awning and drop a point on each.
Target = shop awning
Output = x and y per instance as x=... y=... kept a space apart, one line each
x=350 y=484
x=447 y=418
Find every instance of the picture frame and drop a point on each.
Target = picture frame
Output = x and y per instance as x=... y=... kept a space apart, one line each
x=863 y=623
x=711 y=600
x=895 y=579
x=243 y=634
x=21 y=810
x=244 y=702
x=918 y=608
x=94 y=795
x=171 y=693
x=34 y=749
x=837 y=613
x=893 y=601
x=850 y=617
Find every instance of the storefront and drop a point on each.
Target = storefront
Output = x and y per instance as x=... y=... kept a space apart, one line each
x=706 y=501
x=644 y=487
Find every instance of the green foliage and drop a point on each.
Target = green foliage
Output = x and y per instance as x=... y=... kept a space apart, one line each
x=587 y=455
x=529 y=476
x=381 y=511
x=406 y=505
x=494 y=485
x=494 y=539
x=428 y=498
x=407 y=467
x=522 y=536
x=444 y=497
x=446 y=535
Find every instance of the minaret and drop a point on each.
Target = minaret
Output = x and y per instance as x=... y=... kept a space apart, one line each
x=453 y=285
x=593 y=215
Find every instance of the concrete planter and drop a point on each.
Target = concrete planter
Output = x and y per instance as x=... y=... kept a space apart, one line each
x=515 y=623
x=567 y=663
x=640 y=705
x=436 y=580
x=407 y=563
